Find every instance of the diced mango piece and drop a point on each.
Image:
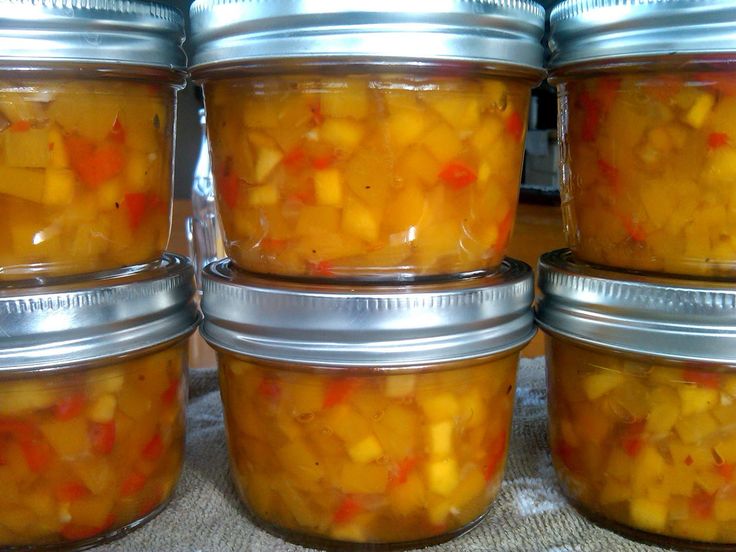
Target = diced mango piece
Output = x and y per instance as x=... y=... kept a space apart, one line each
x=59 y=188
x=700 y=110
x=28 y=149
x=359 y=221
x=400 y=385
x=694 y=429
x=648 y=515
x=102 y=410
x=440 y=438
x=439 y=406
x=598 y=384
x=28 y=184
x=262 y=196
x=344 y=134
x=363 y=478
x=366 y=450
x=328 y=187
x=695 y=399
x=266 y=161
x=406 y=126
x=69 y=438
x=443 y=476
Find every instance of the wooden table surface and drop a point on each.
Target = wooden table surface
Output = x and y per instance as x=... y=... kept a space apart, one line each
x=538 y=229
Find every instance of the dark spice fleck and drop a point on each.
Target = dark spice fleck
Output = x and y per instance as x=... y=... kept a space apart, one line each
x=508 y=389
x=117 y=205
x=156 y=122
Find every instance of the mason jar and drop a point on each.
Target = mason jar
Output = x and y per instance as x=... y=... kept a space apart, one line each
x=647 y=96
x=93 y=387
x=641 y=377
x=87 y=99
x=370 y=415
x=370 y=141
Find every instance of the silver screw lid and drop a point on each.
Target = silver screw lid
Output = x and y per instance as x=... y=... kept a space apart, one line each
x=375 y=326
x=589 y=30
x=237 y=32
x=669 y=318
x=98 y=32
x=69 y=322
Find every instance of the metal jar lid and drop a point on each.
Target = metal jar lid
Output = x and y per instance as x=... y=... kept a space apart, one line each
x=92 y=32
x=73 y=321
x=590 y=30
x=256 y=32
x=377 y=326
x=676 y=319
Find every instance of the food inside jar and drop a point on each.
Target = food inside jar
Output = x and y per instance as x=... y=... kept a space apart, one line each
x=366 y=175
x=644 y=443
x=85 y=175
x=378 y=457
x=649 y=165
x=85 y=453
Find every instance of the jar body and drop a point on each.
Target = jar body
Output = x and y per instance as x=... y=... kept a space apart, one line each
x=644 y=445
x=356 y=456
x=647 y=165
x=368 y=175
x=85 y=172
x=90 y=453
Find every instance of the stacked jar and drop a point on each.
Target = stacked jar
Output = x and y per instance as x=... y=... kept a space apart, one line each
x=94 y=314
x=366 y=160
x=641 y=313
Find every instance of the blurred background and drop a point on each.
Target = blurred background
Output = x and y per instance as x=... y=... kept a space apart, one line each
x=539 y=179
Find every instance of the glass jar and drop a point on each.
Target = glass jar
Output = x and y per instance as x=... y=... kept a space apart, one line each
x=86 y=135
x=93 y=387
x=352 y=142
x=376 y=415
x=647 y=102
x=641 y=388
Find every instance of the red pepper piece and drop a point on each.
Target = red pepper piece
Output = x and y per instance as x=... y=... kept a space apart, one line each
x=37 y=454
x=294 y=158
x=338 y=390
x=117 y=133
x=347 y=510
x=16 y=428
x=496 y=452
x=631 y=440
x=102 y=437
x=608 y=88
x=323 y=161
x=515 y=126
x=92 y=164
x=228 y=187
x=725 y=470
x=689 y=460
x=69 y=407
x=273 y=245
x=634 y=230
x=168 y=396
x=20 y=126
x=322 y=268
x=269 y=388
x=567 y=455
x=457 y=175
x=153 y=449
x=701 y=505
x=403 y=469
x=133 y=483
x=610 y=174
x=71 y=491
x=135 y=205
x=702 y=378
x=717 y=140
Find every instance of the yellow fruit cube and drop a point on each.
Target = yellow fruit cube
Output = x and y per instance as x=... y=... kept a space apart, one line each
x=724 y=509
x=697 y=399
x=366 y=450
x=406 y=126
x=22 y=396
x=28 y=184
x=409 y=496
x=695 y=428
x=59 y=188
x=442 y=142
x=647 y=469
x=266 y=161
x=598 y=384
x=459 y=111
x=665 y=410
x=443 y=476
x=345 y=98
x=363 y=478
x=726 y=449
x=328 y=187
x=359 y=221
x=472 y=486
x=438 y=509
x=27 y=149
x=648 y=514
x=439 y=406
x=700 y=110
x=440 y=438
x=400 y=385
x=343 y=134
x=614 y=491
x=69 y=438
x=263 y=196
x=102 y=409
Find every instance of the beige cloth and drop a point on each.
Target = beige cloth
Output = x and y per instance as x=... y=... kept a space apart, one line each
x=529 y=514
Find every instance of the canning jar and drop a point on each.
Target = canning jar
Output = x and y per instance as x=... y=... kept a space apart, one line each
x=647 y=97
x=87 y=98
x=642 y=400
x=371 y=415
x=93 y=388
x=360 y=140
